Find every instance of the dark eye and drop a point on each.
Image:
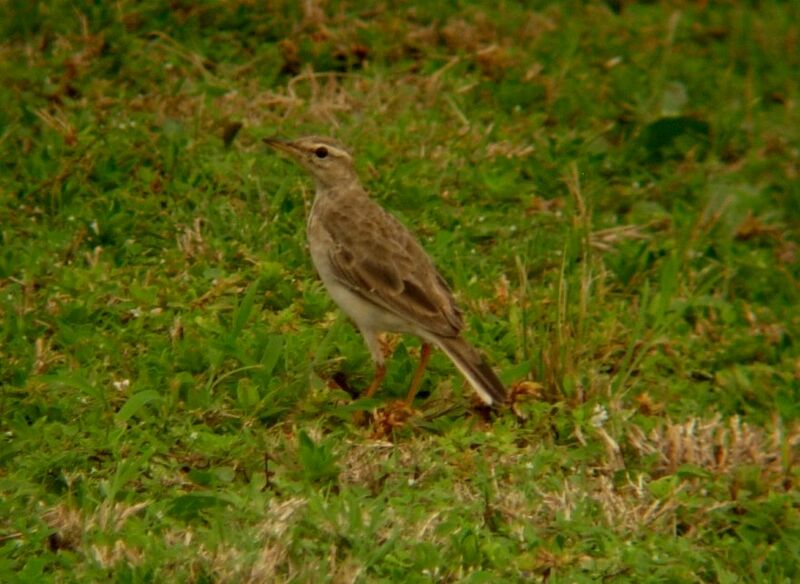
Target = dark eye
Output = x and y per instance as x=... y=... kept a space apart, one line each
x=321 y=152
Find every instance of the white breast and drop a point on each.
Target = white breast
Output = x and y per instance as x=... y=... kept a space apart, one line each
x=366 y=315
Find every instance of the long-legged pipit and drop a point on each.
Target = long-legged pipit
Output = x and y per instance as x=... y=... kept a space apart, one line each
x=377 y=272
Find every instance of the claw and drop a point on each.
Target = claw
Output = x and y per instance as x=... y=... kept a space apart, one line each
x=394 y=415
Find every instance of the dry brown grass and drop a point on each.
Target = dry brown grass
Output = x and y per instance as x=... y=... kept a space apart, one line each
x=719 y=446
x=626 y=505
x=72 y=530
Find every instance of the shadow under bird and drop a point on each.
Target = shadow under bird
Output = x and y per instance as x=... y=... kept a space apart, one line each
x=377 y=272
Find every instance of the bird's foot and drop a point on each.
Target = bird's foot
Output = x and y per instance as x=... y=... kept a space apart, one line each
x=362 y=418
x=387 y=419
x=522 y=391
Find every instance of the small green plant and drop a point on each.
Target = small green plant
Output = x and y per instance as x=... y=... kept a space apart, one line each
x=317 y=460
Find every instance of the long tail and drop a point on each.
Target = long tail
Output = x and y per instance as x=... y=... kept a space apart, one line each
x=472 y=366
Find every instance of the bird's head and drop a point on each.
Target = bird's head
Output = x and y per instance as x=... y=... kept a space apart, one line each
x=326 y=159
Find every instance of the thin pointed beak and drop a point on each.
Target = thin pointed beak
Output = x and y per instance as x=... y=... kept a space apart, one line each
x=281 y=145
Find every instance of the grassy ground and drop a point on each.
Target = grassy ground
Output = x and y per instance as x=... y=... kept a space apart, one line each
x=611 y=188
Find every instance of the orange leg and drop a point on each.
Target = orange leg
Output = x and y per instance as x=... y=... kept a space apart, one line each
x=380 y=373
x=424 y=355
x=360 y=418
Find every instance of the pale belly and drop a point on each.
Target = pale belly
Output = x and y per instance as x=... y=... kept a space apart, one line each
x=366 y=315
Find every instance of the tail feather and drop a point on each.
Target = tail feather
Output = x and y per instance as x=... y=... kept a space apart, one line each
x=475 y=369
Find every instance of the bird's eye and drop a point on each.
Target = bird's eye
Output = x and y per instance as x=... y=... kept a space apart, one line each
x=321 y=152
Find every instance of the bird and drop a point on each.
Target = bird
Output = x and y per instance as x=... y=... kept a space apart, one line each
x=377 y=272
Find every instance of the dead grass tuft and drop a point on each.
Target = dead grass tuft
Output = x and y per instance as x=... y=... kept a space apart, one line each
x=508 y=149
x=629 y=506
x=721 y=447
x=191 y=242
x=718 y=446
x=607 y=239
x=273 y=554
x=71 y=526
x=328 y=97
x=459 y=34
x=230 y=563
x=365 y=463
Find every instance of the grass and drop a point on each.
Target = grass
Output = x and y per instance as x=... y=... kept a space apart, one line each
x=611 y=188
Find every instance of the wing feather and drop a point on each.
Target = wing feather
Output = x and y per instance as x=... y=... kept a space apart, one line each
x=374 y=255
